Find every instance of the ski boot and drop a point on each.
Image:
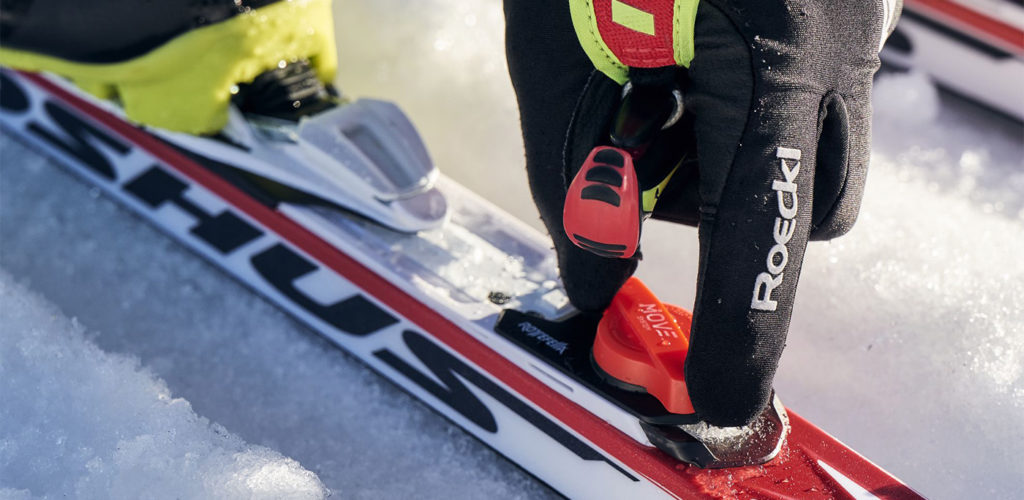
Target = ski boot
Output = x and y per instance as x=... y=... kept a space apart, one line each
x=607 y=200
x=289 y=139
x=243 y=86
x=172 y=64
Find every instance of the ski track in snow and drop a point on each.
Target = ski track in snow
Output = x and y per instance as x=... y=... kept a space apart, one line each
x=907 y=341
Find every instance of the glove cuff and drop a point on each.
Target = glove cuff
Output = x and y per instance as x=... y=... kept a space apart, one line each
x=617 y=36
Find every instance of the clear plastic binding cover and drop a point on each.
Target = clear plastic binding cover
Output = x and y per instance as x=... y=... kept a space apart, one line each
x=474 y=260
x=376 y=141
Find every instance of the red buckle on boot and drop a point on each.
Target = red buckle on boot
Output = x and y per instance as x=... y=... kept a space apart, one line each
x=642 y=342
x=602 y=208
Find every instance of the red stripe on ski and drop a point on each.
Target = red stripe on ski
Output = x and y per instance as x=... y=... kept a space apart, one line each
x=794 y=474
x=973 y=22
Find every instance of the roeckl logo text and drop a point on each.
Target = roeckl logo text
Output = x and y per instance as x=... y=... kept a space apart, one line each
x=778 y=256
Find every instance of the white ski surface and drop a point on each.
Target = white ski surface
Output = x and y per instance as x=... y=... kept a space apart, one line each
x=907 y=341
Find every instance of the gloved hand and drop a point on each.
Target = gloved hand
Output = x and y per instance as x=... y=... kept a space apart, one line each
x=773 y=146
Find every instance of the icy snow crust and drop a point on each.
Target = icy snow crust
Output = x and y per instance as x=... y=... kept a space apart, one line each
x=238 y=360
x=907 y=341
x=77 y=422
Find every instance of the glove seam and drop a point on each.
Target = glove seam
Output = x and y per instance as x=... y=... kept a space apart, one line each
x=707 y=206
x=572 y=125
x=615 y=69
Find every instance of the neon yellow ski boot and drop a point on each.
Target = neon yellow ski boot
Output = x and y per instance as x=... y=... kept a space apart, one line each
x=173 y=63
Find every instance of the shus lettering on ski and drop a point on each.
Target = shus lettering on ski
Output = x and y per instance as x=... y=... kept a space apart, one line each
x=307 y=288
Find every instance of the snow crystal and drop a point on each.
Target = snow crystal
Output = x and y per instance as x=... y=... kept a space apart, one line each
x=237 y=359
x=77 y=422
x=907 y=340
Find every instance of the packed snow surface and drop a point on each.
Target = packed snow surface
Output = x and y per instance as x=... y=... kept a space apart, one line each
x=77 y=422
x=907 y=341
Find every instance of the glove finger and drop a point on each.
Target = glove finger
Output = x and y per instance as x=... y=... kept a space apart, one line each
x=844 y=150
x=565 y=107
x=757 y=148
x=674 y=152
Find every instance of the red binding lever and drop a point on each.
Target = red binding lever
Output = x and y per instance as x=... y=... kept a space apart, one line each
x=642 y=342
x=602 y=208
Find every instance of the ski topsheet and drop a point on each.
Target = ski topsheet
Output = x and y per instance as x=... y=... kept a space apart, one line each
x=419 y=309
x=975 y=48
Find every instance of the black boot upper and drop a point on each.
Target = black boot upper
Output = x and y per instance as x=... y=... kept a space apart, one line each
x=108 y=31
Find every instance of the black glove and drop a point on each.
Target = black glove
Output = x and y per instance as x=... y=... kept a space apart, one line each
x=774 y=142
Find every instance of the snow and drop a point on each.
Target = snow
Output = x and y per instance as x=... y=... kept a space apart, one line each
x=907 y=340
x=238 y=360
x=81 y=423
